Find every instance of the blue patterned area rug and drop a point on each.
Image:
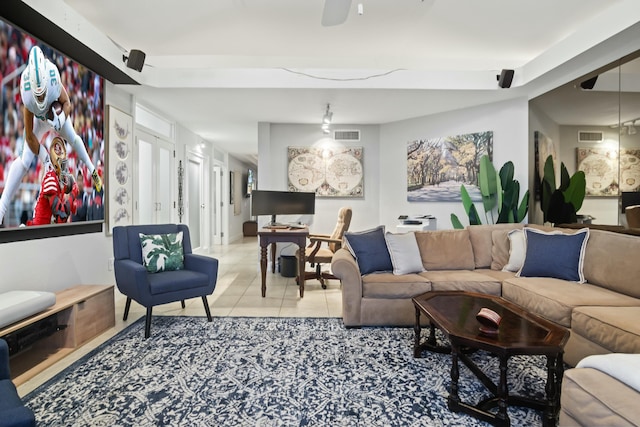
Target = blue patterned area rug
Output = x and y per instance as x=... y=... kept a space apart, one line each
x=268 y=372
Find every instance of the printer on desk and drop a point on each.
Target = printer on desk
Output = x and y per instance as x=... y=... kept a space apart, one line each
x=416 y=223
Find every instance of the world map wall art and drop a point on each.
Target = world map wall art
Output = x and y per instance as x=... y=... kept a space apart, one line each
x=608 y=171
x=329 y=172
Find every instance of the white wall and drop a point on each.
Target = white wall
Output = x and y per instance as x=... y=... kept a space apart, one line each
x=539 y=121
x=603 y=209
x=236 y=220
x=507 y=120
x=272 y=173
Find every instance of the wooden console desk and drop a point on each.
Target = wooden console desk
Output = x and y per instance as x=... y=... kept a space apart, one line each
x=269 y=236
x=81 y=313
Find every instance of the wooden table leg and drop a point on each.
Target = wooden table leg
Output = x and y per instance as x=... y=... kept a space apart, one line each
x=273 y=258
x=301 y=265
x=263 y=269
x=503 y=394
x=417 y=332
x=453 y=402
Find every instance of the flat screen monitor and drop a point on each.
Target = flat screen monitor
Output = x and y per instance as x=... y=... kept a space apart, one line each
x=264 y=202
x=629 y=198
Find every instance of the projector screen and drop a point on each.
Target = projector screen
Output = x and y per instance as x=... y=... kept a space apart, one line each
x=85 y=89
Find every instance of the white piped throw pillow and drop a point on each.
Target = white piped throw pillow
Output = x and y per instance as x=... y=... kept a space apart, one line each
x=517 y=250
x=554 y=254
x=404 y=252
x=162 y=252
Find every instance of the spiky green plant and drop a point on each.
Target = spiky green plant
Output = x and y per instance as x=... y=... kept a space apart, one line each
x=561 y=205
x=497 y=189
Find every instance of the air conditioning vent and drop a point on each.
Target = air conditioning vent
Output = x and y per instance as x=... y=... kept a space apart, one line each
x=590 y=136
x=346 y=135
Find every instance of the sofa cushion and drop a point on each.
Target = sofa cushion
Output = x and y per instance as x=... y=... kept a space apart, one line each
x=445 y=249
x=614 y=328
x=404 y=252
x=463 y=280
x=554 y=254
x=517 y=251
x=500 y=249
x=554 y=299
x=391 y=286
x=624 y=367
x=18 y=305
x=592 y=398
x=621 y=270
x=369 y=248
x=162 y=252
x=481 y=237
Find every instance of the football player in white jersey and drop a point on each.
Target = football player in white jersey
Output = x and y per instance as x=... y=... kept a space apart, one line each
x=40 y=87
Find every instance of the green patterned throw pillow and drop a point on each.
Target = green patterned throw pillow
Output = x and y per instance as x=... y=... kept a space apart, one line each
x=162 y=252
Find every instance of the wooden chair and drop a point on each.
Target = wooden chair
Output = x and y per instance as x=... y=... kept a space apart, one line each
x=317 y=254
x=633 y=216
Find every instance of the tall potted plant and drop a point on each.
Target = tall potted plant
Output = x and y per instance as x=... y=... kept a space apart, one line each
x=497 y=189
x=560 y=205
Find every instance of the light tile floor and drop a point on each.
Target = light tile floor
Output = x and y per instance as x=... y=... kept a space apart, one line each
x=237 y=293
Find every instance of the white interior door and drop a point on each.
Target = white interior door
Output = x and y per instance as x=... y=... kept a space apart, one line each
x=217 y=205
x=195 y=203
x=163 y=179
x=154 y=178
x=144 y=184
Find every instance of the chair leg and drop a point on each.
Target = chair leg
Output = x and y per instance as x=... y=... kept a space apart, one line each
x=182 y=302
x=127 y=306
x=206 y=308
x=147 y=323
x=319 y=276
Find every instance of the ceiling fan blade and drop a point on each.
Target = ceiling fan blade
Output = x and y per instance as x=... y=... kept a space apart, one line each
x=335 y=12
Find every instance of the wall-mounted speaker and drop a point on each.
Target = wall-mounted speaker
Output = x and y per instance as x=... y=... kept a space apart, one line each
x=505 y=78
x=135 y=60
x=589 y=83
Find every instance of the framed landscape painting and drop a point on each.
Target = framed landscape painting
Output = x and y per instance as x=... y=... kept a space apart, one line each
x=437 y=167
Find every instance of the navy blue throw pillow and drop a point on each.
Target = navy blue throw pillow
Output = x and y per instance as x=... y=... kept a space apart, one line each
x=369 y=248
x=554 y=254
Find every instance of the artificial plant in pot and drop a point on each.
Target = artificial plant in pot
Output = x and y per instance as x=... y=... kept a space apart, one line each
x=561 y=205
x=497 y=189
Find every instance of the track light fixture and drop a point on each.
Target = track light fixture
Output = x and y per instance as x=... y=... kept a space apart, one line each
x=326 y=120
x=328 y=115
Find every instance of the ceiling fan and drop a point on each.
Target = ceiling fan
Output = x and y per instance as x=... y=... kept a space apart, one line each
x=335 y=12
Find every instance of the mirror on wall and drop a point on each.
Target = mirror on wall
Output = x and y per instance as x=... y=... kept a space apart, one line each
x=593 y=124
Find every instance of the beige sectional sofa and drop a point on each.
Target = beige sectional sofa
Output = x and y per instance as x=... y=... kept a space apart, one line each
x=602 y=314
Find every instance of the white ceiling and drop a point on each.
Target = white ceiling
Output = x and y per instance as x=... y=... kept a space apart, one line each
x=220 y=67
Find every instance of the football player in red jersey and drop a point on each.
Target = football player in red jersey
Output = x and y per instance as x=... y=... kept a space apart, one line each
x=40 y=89
x=53 y=204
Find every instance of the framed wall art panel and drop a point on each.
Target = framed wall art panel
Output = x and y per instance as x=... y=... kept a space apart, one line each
x=119 y=185
x=329 y=172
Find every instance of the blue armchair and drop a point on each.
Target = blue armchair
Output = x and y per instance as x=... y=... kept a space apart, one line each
x=12 y=412
x=197 y=279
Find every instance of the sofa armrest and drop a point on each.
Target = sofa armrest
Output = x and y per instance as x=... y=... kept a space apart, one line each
x=130 y=278
x=4 y=361
x=203 y=264
x=345 y=268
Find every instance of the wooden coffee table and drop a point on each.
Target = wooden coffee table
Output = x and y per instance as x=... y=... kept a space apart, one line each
x=519 y=333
